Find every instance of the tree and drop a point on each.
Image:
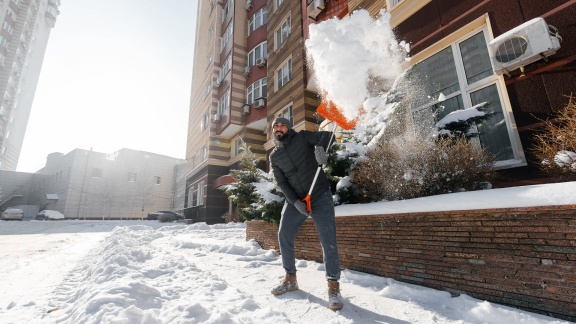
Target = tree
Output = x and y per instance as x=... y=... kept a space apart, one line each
x=253 y=192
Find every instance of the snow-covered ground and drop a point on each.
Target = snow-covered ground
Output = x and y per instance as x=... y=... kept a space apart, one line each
x=148 y=272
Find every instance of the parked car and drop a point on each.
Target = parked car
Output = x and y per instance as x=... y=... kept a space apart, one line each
x=12 y=214
x=49 y=215
x=164 y=216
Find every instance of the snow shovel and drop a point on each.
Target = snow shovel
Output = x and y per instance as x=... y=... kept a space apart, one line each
x=331 y=112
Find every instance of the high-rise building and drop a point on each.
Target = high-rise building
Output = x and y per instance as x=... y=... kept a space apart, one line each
x=26 y=25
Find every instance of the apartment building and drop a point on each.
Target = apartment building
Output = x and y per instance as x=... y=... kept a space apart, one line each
x=26 y=25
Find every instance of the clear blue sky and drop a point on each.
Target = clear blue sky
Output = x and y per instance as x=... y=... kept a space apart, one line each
x=116 y=74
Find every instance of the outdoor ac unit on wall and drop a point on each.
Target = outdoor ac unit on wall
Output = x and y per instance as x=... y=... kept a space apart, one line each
x=261 y=62
x=259 y=103
x=245 y=109
x=315 y=8
x=216 y=118
x=218 y=82
x=525 y=44
x=246 y=71
x=248 y=4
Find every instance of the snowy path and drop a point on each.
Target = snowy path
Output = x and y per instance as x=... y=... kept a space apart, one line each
x=144 y=272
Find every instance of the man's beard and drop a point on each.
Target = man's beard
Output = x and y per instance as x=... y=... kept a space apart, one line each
x=281 y=137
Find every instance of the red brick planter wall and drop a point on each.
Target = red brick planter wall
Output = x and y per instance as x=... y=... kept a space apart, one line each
x=521 y=257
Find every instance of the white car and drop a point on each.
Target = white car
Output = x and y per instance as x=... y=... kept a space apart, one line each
x=49 y=215
x=12 y=214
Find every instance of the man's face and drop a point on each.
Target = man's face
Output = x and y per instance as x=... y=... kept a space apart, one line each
x=280 y=130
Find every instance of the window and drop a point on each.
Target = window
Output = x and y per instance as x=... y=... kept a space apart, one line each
x=157 y=180
x=205 y=121
x=462 y=75
x=210 y=33
x=287 y=113
x=3 y=41
x=11 y=14
x=226 y=67
x=258 y=19
x=191 y=197
x=229 y=6
x=131 y=177
x=224 y=104
x=212 y=5
x=7 y=27
x=3 y=150
x=284 y=74
x=278 y=3
x=207 y=88
x=200 y=193
x=282 y=33
x=208 y=60
x=256 y=90
x=96 y=173
x=203 y=153
x=236 y=146
x=226 y=37
x=260 y=51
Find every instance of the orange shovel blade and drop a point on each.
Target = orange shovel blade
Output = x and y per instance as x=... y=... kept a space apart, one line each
x=308 y=202
x=330 y=111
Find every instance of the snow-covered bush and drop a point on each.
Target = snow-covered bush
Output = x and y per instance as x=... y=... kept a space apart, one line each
x=410 y=167
x=555 y=144
x=254 y=193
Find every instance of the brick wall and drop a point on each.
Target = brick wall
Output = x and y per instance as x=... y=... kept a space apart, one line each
x=521 y=257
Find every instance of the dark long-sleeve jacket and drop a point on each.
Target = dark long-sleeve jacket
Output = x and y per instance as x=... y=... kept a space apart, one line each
x=294 y=164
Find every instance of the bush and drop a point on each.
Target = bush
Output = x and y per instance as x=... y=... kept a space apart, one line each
x=555 y=145
x=411 y=167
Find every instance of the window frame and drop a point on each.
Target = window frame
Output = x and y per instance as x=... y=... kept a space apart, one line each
x=466 y=90
x=253 y=22
x=279 y=37
x=280 y=78
x=251 y=94
x=259 y=51
x=200 y=194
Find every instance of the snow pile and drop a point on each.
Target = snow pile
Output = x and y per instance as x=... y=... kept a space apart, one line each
x=151 y=273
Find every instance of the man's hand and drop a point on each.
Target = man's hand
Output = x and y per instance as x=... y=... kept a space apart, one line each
x=301 y=207
x=321 y=156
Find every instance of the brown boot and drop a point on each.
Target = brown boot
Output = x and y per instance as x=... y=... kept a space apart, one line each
x=334 y=297
x=288 y=284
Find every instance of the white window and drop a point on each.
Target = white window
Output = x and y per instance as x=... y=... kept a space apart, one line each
x=200 y=193
x=210 y=33
x=191 y=197
x=205 y=121
x=226 y=37
x=284 y=74
x=461 y=74
x=207 y=88
x=226 y=67
x=278 y=3
x=260 y=51
x=224 y=103
x=282 y=32
x=208 y=60
x=8 y=27
x=203 y=153
x=228 y=7
x=11 y=14
x=236 y=146
x=287 y=113
x=258 y=19
x=3 y=149
x=256 y=90
x=3 y=41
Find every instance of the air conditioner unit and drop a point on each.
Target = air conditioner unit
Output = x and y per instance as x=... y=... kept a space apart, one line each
x=259 y=103
x=525 y=44
x=248 y=4
x=246 y=71
x=216 y=118
x=261 y=62
x=245 y=109
x=218 y=82
x=315 y=8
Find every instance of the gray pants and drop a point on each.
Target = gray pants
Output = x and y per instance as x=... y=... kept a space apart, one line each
x=323 y=216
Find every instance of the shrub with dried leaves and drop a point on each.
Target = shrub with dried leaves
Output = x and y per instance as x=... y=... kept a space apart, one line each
x=410 y=167
x=555 y=144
